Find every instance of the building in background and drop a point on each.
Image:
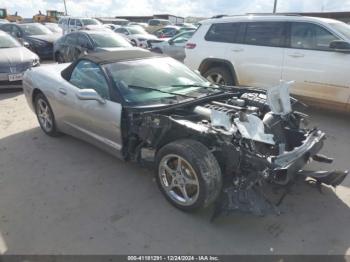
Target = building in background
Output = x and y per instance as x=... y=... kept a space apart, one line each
x=144 y=19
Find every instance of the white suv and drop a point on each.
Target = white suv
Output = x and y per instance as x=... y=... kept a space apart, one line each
x=71 y=24
x=259 y=51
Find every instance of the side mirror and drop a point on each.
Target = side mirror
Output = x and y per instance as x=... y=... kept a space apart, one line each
x=171 y=42
x=90 y=94
x=340 y=46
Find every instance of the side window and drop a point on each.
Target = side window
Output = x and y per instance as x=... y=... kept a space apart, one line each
x=310 y=36
x=83 y=41
x=88 y=75
x=72 y=22
x=265 y=34
x=71 y=39
x=78 y=23
x=16 y=32
x=154 y=23
x=7 y=28
x=223 y=32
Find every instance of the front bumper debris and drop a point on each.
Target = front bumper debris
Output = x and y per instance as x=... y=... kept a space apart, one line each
x=284 y=169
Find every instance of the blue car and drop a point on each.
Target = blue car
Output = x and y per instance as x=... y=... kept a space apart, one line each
x=37 y=37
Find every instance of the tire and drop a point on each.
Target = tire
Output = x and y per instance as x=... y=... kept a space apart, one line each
x=59 y=58
x=45 y=115
x=219 y=75
x=199 y=175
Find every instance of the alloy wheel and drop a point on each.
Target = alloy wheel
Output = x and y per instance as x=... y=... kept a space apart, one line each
x=216 y=78
x=179 y=180
x=44 y=115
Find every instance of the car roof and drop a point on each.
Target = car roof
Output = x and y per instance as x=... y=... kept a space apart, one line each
x=251 y=18
x=108 y=57
x=119 y=55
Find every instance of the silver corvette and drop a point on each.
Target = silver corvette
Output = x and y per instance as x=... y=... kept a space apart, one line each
x=14 y=60
x=208 y=143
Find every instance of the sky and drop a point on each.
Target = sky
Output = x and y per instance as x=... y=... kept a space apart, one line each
x=200 y=8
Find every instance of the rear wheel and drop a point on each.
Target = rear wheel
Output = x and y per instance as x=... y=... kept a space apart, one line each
x=45 y=115
x=188 y=175
x=220 y=76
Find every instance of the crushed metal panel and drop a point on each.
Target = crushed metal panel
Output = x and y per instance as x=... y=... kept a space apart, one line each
x=253 y=128
x=278 y=98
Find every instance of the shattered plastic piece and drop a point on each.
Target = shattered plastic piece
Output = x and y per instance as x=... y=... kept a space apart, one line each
x=220 y=119
x=278 y=98
x=253 y=128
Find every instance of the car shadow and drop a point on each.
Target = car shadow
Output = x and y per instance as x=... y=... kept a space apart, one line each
x=75 y=198
x=10 y=93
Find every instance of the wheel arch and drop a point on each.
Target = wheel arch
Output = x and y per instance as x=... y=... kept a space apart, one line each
x=216 y=62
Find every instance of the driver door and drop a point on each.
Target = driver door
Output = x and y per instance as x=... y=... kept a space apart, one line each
x=318 y=71
x=91 y=120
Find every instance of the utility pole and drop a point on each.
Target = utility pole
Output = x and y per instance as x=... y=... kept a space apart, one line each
x=275 y=7
x=65 y=6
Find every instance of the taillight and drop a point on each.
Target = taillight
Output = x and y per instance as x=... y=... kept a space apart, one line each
x=191 y=46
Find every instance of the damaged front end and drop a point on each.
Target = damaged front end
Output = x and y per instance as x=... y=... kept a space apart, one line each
x=255 y=135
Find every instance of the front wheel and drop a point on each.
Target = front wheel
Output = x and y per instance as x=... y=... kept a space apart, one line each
x=188 y=175
x=45 y=115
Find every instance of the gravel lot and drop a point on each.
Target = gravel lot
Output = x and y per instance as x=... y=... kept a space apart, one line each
x=63 y=196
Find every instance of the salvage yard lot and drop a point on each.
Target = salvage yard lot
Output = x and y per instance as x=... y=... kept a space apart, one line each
x=64 y=196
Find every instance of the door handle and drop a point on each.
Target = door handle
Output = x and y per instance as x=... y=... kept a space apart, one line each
x=238 y=50
x=63 y=91
x=296 y=55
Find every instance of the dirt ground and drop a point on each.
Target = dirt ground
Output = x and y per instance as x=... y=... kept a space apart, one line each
x=63 y=196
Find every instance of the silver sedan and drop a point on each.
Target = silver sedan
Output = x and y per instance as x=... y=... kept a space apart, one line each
x=15 y=59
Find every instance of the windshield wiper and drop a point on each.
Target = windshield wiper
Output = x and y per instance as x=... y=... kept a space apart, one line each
x=158 y=90
x=195 y=85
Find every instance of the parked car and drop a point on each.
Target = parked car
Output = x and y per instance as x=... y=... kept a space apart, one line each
x=258 y=51
x=71 y=46
x=14 y=60
x=155 y=24
x=144 y=25
x=174 y=47
x=72 y=24
x=54 y=28
x=38 y=38
x=206 y=141
x=167 y=31
x=111 y=26
x=137 y=35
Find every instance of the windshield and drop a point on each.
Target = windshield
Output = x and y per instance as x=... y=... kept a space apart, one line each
x=7 y=41
x=54 y=28
x=35 y=29
x=140 y=80
x=90 y=22
x=343 y=28
x=137 y=30
x=109 y=40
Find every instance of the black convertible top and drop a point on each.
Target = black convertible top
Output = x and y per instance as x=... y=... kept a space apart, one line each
x=119 y=55
x=108 y=57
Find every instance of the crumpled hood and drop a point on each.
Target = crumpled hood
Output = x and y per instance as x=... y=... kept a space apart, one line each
x=117 y=48
x=16 y=55
x=50 y=38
